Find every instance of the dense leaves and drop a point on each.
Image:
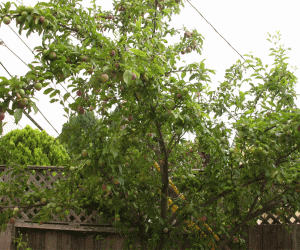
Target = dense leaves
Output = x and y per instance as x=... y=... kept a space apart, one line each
x=32 y=147
x=246 y=131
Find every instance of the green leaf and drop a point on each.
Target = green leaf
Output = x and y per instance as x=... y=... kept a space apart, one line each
x=34 y=108
x=138 y=52
x=127 y=76
x=54 y=100
x=168 y=11
x=161 y=69
x=18 y=115
x=66 y=96
x=138 y=23
x=66 y=110
x=47 y=91
x=7 y=6
x=183 y=74
x=114 y=151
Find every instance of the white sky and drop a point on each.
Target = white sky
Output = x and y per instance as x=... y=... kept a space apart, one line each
x=243 y=24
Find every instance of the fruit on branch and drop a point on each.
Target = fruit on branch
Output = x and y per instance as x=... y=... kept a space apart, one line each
x=42 y=19
x=20 y=105
x=46 y=52
x=133 y=76
x=45 y=24
x=188 y=49
x=231 y=150
x=166 y=230
x=24 y=14
x=43 y=200
x=104 y=77
x=16 y=210
x=285 y=128
x=88 y=162
x=29 y=8
x=182 y=52
x=78 y=28
x=112 y=53
x=80 y=110
x=179 y=95
x=38 y=86
x=24 y=101
x=84 y=152
x=84 y=58
x=130 y=118
x=2 y=116
x=20 y=19
x=187 y=34
x=52 y=55
x=21 y=92
x=79 y=93
x=6 y=20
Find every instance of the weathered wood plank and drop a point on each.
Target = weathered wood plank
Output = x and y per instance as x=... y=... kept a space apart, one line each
x=66 y=241
x=255 y=238
x=284 y=240
x=50 y=240
x=269 y=237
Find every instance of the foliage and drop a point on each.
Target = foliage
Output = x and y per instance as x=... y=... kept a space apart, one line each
x=31 y=147
x=246 y=132
x=73 y=131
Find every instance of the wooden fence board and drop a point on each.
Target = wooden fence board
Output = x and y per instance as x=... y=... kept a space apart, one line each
x=269 y=237
x=255 y=238
x=284 y=240
x=65 y=240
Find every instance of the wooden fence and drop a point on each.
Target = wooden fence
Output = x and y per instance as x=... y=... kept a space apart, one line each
x=78 y=230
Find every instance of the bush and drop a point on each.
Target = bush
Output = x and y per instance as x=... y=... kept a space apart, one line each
x=31 y=147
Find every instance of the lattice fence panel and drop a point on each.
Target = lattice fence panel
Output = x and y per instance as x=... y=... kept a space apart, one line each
x=43 y=178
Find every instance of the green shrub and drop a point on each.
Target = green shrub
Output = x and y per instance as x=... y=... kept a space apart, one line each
x=31 y=147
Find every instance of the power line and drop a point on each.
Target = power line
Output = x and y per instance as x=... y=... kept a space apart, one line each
x=21 y=39
x=215 y=29
x=34 y=54
x=30 y=118
x=2 y=43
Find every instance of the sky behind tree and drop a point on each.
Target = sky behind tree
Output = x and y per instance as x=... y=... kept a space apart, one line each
x=245 y=25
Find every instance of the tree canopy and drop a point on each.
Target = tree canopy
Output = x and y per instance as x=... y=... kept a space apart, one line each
x=246 y=131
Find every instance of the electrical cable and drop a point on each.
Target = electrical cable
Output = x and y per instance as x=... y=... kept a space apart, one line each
x=37 y=107
x=29 y=117
x=34 y=54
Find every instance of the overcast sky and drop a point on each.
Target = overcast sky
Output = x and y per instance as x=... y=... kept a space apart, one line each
x=243 y=24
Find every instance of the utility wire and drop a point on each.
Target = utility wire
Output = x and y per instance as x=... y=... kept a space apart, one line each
x=215 y=29
x=21 y=39
x=29 y=117
x=34 y=54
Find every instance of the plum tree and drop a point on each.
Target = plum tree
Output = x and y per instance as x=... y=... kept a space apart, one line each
x=148 y=102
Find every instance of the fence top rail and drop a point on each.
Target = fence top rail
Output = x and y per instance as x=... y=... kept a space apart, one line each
x=37 y=167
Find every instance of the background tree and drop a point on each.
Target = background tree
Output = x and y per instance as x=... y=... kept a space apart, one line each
x=73 y=131
x=249 y=162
